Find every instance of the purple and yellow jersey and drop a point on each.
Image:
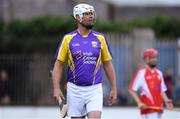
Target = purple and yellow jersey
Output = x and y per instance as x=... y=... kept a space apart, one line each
x=84 y=56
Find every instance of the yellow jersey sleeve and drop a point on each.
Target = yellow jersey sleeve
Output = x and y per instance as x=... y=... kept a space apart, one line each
x=63 y=51
x=105 y=53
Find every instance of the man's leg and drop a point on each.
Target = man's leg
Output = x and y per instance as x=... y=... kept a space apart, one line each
x=94 y=115
x=154 y=115
x=75 y=102
x=83 y=117
x=94 y=102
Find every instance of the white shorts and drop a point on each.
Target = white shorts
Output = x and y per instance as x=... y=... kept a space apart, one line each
x=84 y=99
x=154 y=115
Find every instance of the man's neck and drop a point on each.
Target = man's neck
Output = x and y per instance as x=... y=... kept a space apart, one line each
x=83 y=31
x=150 y=68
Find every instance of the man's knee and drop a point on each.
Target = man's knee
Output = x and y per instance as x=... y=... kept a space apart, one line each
x=94 y=115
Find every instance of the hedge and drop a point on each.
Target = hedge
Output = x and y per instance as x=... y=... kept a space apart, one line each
x=43 y=34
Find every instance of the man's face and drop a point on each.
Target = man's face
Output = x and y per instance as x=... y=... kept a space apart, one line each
x=87 y=19
x=152 y=60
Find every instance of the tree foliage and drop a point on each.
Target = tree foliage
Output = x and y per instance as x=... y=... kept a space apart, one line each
x=43 y=34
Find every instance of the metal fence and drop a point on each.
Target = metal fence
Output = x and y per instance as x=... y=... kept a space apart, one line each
x=29 y=82
x=28 y=78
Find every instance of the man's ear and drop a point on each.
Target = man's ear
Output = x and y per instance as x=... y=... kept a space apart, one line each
x=78 y=18
x=146 y=60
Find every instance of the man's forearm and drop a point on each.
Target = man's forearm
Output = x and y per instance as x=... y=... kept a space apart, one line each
x=109 y=70
x=135 y=96
x=57 y=73
x=164 y=96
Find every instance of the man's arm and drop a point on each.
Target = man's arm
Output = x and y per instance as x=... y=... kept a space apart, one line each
x=57 y=74
x=109 y=70
x=168 y=102
x=137 y=99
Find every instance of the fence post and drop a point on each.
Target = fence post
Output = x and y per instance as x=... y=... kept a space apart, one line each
x=178 y=57
x=143 y=39
x=7 y=10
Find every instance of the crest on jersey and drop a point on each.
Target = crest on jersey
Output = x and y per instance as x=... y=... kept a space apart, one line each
x=159 y=77
x=148 y=77
x=94 y=44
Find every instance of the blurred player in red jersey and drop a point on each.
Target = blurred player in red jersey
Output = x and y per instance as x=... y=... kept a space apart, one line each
x=148 y=82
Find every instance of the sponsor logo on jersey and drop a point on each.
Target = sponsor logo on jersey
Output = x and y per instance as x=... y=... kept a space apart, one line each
x=88 y=58
x=77 y=54
x=75 y=44
x=85 y=42
x=94 y=44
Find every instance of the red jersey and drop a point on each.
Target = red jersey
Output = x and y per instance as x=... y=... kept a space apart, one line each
x=150 y=84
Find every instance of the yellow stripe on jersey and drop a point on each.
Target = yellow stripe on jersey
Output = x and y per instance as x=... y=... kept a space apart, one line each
x=97 y=67
x=105 y=54
x=63 y=50
x=65 y=53
x=71 y=63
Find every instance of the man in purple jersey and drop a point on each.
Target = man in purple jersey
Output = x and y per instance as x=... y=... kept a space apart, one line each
x=86 y=52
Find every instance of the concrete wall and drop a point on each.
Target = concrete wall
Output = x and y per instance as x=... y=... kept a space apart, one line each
x=128 y=13
x=27 y=9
